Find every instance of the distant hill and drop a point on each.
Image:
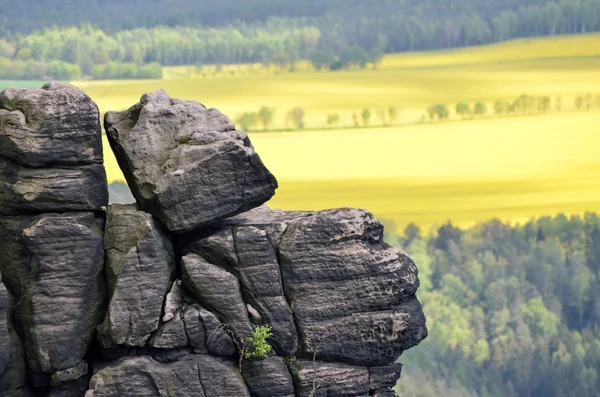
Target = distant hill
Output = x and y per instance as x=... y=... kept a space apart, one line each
x=27 y=15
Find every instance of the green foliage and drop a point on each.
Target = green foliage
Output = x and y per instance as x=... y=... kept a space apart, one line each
x=366 y=116
x=247 y=120
x=393 y=113
x=439 y=111
x=480 y=109
x=500 y=107
x=256 y=345
x=511 y=310
x=332 y=119
x=296 y=116
x=463 y=109
x=265 y=114
x=374 y=25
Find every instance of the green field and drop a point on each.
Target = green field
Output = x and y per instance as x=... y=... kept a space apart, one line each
x=511 y=167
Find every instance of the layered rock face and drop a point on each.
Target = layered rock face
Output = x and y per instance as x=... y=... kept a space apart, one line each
x=164 y=297
x=52 y=189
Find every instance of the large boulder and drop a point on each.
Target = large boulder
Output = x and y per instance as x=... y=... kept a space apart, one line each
x=50 y=151
x=55 y=125
x=140 y=264
x=191 y=376
x=353 y=296
x=186 y=164
x=53 y=266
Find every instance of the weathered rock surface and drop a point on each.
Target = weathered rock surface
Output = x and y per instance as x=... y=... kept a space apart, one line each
x=217 y=290
x=352 y=296
x=319 y=379
x=268 y=378
x=191 y=269
x=192 y=375
x=12 y=362
x=248 y=253
x=35 y=190
x=55 y=125
x=383 y=379
x=186 y=164
x=53 y=266
x=50 y=151
x=140 y=264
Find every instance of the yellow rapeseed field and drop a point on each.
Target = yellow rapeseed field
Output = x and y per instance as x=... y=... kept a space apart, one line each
x=508 y=167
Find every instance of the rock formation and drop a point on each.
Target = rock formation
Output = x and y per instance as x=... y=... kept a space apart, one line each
x=164 y=297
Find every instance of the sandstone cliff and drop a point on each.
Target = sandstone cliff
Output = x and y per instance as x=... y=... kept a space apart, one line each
x=162 y=297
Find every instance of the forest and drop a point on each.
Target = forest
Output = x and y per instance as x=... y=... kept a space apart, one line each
x=95 y=44
x=511 y=310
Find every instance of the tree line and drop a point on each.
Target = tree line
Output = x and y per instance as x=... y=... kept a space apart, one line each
x=295 y=117
x=333 y=40
x=511 y=310
x=523 y=105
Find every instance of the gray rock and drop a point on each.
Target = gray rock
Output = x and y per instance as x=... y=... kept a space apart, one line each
x=319 y=379
x=55 y=125
x=139 y=266
x=69 y=374
x=217 y=290
x=53 y=264
x=192 y=375
x=170 y=334
x=383 y=379
x=186 y=164
x=5 y=342
x=173 y=301
x=71 y=382
x=34 y=190
x=12 y=361
x=268 y=378
x=218 y=341
x=353 y=296
x=248 y=253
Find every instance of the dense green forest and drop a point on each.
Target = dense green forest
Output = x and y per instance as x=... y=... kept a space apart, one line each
x=511 y=311
x=119 y=39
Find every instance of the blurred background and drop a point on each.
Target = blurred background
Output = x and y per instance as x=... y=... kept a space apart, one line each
x=470 y=128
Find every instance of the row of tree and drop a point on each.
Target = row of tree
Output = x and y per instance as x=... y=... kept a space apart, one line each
x=524 y=104
x=263 y=118
x=335 y=40
x=511 y=310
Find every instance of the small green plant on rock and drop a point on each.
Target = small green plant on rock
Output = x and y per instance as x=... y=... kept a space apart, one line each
x=256 y=345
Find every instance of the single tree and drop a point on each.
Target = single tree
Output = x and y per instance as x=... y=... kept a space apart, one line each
x=500 y=107
x=366 y=116
x=265 y=114
x=332 y=118
x=463 y=109
x=393 y=114
x=296 y=116
x=355 y=119
x=247 y=120
x=579 y=102
x=480 y=108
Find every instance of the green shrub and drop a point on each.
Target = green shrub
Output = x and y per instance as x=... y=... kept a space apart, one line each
x=256 y=345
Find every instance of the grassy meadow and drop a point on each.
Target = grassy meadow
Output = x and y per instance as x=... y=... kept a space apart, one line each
x=510 y=167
